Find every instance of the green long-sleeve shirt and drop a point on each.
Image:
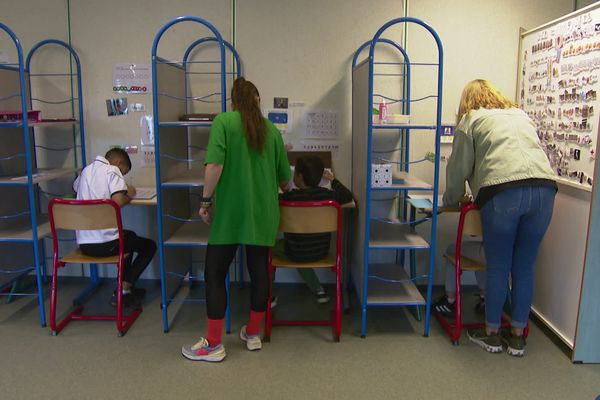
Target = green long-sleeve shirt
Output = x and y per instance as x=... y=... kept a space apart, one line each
x=494 y=146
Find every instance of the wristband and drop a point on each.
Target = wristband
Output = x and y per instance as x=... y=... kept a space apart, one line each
x=206 y=199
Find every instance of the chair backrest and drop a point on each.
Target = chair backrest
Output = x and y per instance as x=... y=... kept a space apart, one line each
x=471 y=221
x=84 y=214
x=310 y=216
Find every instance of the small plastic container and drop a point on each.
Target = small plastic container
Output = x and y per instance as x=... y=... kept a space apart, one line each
x=383 y=112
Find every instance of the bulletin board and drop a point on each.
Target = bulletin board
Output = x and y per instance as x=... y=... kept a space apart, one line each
x=558 y=87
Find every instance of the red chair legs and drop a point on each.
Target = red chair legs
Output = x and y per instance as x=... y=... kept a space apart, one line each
x=124 y=322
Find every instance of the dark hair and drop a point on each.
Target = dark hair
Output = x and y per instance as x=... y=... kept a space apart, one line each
x=244 y=98
x=118 y=154
x=311 y=168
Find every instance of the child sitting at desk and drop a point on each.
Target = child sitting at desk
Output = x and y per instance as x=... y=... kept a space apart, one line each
x=310 y=247
x=103 y=179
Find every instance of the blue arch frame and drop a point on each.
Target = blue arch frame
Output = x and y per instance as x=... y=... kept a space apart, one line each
x=222 y=47
x=377 y=38
x=28 y=161
x=75 y=56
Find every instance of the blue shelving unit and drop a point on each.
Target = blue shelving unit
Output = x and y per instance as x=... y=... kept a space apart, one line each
x=379 y=282
x=179 y=151
x=30 y=174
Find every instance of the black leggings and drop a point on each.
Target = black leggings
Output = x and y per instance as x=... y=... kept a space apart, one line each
x=218 y=259
x=145 y=249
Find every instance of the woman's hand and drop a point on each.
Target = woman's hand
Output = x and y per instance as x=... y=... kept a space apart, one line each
x=205 y=214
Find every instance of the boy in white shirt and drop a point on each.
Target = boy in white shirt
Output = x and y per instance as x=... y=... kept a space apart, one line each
x=103 y=179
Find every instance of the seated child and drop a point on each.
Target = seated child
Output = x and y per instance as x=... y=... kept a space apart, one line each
x=103 y=179
x=312 y=246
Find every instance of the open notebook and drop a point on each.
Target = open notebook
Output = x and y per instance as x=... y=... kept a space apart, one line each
x=145 y=193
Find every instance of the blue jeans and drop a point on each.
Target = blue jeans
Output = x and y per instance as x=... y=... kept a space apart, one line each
x=514 y=222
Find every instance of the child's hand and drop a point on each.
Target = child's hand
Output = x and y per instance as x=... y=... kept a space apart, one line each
x=131 y=192
x=205 y=214
x=327 y=174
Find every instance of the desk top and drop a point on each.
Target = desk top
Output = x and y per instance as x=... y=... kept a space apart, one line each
x=424 y=204
x=153 y=202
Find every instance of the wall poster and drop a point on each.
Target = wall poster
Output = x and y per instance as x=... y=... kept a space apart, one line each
x=559 y=67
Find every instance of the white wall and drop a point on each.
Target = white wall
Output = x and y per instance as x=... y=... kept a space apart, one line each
x=32 y=21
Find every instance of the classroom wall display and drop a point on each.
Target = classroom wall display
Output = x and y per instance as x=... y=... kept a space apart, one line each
x=558 y=88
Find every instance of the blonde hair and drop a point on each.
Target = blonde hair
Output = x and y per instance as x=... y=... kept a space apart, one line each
x=481 y=94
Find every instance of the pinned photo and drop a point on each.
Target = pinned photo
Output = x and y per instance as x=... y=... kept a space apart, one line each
x=116 y=106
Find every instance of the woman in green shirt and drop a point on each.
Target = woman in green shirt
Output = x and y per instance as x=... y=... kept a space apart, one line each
x=246 y=164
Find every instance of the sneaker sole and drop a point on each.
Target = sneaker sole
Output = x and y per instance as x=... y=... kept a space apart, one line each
x=323 y=301
x=485 y=346
x=218 y=357
x=515 y=352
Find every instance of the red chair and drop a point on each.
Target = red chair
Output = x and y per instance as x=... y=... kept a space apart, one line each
x=67 y=214
x=310 y=217
x=469 y=224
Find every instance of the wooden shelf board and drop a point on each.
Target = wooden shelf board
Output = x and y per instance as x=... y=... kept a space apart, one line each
x=395 y=236
x=190 y=234
x=392 y=293
x=24 y=233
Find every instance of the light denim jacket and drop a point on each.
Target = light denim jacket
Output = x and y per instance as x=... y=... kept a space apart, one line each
x=494 y=146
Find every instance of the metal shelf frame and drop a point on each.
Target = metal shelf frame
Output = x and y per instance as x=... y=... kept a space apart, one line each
x=182 y=236
x=375 y=235
x=37 y=228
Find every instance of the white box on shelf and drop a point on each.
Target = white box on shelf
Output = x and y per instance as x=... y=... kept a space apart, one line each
x=381 y=175
x=398 y=119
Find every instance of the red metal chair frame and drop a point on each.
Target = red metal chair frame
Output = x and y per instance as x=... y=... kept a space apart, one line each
x=454 y=329
x=124 y=322
x=336 y=320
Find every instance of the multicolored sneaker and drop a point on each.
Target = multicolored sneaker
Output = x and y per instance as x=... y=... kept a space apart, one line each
x=202 y=351
x=253 y=342
x=490 y=343
x=515 y=345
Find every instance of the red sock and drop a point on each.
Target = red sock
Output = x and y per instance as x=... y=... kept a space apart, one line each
x=256 y=319
x=215 y=331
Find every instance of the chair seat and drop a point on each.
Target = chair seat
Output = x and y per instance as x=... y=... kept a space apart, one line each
x=282 y=262
x=466 y=263
x=77 y=257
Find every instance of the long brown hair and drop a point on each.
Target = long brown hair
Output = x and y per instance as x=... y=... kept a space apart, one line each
x=245 y=99
x=480 y=93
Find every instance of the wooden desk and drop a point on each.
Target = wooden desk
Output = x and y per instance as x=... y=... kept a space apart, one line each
x=144 y=202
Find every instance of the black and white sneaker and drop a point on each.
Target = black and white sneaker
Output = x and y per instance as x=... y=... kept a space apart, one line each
x=443 y=307
x=130 y=300
x=322 y=296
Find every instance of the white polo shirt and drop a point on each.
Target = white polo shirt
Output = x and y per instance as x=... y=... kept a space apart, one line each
x=99 y=180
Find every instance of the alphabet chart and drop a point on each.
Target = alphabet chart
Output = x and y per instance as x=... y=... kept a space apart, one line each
x=321 y=124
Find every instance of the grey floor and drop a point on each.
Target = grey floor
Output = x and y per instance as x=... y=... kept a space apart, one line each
x=88 y=361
